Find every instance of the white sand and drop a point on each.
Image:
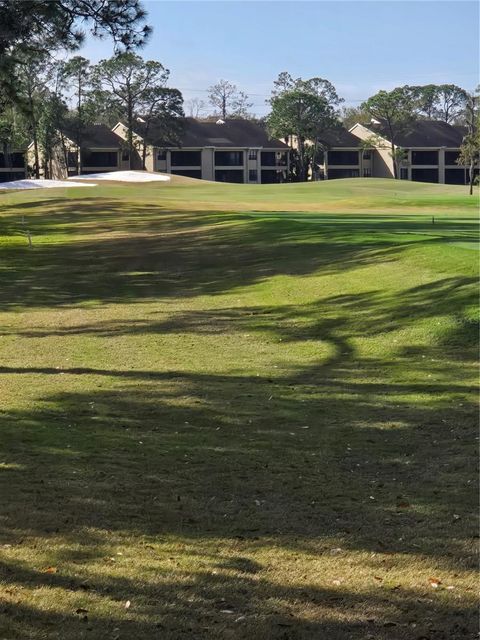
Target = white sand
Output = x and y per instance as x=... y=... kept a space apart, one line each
x=41 y=184
x=125 y=176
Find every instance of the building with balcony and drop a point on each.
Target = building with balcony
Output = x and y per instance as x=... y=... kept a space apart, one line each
x=100 y=150
x=13 y=165
x=431 y=150
x=232 y=150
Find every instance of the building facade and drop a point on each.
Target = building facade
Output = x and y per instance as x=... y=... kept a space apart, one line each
x=13 y=165
x=100 y=151
x=431 y=150
x=236 y=150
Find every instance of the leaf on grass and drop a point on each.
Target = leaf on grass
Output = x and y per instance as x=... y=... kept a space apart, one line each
x=49 y=570
x=378 y=578
x=80 y=610
x=434 y=582
x=127 y=604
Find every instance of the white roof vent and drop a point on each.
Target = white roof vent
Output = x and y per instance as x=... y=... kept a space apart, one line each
x=139 y=119
x=220 y=121
x=374 y=121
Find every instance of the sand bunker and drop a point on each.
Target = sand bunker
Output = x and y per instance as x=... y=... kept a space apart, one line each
x=41 y=184
x=125 y=176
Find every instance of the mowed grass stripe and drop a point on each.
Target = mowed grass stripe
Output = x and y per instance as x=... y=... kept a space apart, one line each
x=249 y=411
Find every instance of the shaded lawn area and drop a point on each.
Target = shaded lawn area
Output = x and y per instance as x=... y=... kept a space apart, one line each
x=247 y=421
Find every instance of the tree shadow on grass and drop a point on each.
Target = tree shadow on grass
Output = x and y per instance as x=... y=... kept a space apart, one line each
x=115 y=252
x=225 y=466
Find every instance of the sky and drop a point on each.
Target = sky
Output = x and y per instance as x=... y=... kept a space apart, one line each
x=360 y=46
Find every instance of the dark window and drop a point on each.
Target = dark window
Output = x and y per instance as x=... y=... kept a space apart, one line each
x=455 y=176
x=269 y=159
x=125 y=156
x=228 y=175
x=161 y=155
x=99 y=159
x=252 y=175
x=186 y=158
x=252 y=154
x=281 y=158
x=367 y=155
x=451 y=157
x=342 y=173
x=8 y=176
x=271 y=176
x=188 y=173
x=343 y=157
x=403 y=173
x=228 y=159
x=72 y=158
x=16 y=161
x=425 y=175
x=424 y=157
x=367 y=173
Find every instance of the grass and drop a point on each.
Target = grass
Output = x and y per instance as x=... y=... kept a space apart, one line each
x=249 y=412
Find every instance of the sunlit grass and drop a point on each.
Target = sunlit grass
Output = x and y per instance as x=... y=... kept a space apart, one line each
x=250 y=412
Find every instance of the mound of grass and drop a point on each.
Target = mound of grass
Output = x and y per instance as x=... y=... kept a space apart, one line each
x=239 y=412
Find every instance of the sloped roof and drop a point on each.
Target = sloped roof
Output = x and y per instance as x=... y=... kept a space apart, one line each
x=424 y=133
x=95 y=136
x=205 y=133
x=340 y=137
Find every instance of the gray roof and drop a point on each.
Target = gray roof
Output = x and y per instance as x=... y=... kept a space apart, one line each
x=425 y=133
x=205 y=133
x=339 y=137
x=95 y=136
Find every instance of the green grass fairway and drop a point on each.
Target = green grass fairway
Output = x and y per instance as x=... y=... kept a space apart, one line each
x=238 y=412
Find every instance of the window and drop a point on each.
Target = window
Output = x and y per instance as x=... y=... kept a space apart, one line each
x=72 y=158
x=403 y=173
x=7 y=176
x=15 y=161
x=252 y=154
x=186 y=158
x=253 y=175
x=367 y=173
x=271 y=176
x=161 y=154
x=229 y=175
x=424 y=157
x=125 y=156
x=451 y=157
x=342 y=157
x=425 y=175
x=228 y=158
x=455 y=176
x=100 y=159
x=367 y=155
x=268 y=159
x=188 y=173
x=342 y=173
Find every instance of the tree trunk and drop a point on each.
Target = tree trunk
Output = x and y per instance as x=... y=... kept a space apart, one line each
x=395 y=170
x=301 y=159
x=130 y=132
x=36 y=153
x=471 y=173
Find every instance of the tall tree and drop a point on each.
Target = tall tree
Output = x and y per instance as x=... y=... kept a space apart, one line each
x=33 y=26
x=470 y=148
x=75 y=74
x=137 y=88
x=351 y=115
x=302 y=109
x=228 y=100
x=31 y=84
x=196 y=107
x=395 y=110
x=437 y=101
x=161 y=108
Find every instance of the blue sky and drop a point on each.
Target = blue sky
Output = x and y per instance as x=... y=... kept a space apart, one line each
x=360 y=46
